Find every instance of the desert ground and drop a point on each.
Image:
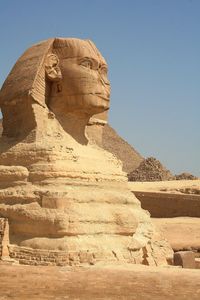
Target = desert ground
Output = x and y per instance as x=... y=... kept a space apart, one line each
x=175 y=186
x=99 y=282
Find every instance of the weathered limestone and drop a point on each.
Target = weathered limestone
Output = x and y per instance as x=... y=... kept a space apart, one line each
x=107 y=138
x=4 y=238
x=59 y=192
x=102 y=134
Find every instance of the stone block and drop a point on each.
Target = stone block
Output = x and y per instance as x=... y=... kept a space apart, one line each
x=186 y=259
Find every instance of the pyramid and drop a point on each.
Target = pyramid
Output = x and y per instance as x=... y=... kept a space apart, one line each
x=150 y=169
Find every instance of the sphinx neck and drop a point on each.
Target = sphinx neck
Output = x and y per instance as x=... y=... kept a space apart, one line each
x=75 y=124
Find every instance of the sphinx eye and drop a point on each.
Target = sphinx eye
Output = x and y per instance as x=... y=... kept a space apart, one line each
x=86 y=63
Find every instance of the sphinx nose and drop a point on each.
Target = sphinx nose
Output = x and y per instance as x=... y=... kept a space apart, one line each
x=108 y=91
x=104 y=80
x=105 y=84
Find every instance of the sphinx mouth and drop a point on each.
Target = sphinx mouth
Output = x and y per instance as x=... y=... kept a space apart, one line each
x=104 y=97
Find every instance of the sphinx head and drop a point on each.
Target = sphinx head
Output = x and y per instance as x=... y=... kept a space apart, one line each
x=62 y=75
x=81 y=84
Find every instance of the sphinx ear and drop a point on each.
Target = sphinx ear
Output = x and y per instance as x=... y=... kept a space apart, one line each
x=52 y=69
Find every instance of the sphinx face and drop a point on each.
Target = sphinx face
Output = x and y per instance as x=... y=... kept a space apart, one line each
x=84 y=86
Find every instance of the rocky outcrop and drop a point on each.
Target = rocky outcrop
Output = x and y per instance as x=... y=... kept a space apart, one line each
x=185 y=176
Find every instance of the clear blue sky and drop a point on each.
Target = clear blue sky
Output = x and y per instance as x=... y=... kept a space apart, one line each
x=153 y=51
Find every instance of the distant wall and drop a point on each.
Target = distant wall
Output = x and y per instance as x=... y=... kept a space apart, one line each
x=166 y=205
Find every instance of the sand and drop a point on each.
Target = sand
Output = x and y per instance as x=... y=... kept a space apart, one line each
x=173 y=185
x=119 y=282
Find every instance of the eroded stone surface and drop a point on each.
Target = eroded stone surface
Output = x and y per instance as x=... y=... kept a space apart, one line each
x=60 y=192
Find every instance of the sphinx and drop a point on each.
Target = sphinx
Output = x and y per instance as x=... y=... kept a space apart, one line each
x=66 y=200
